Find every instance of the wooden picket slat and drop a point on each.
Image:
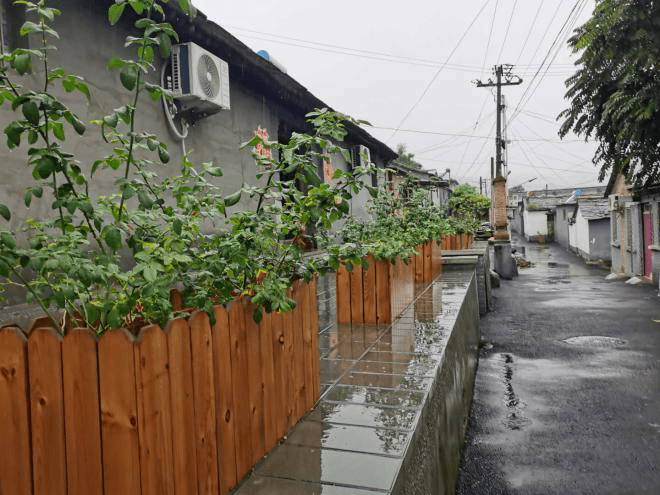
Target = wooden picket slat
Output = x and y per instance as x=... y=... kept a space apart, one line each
x=256 y=392
x=201 y=344
x=383 y=301
x=188 y=410
x=357 y=301
x=369 y=289
x=428 y=262
x=240 y=387
x=316 y=351
x=271 y=404
x=47 y=405
x=182 y=407
x=225 y=411
x=305 y=309
x=343 y=295
x=82 y=413
x=289 y=367
x=418 y=262
x=280 y=375
x=154 y=414
x=298 y=358
x=15 y=461
x=119 y=415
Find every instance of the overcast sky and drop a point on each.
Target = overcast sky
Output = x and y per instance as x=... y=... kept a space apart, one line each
x=409 y=65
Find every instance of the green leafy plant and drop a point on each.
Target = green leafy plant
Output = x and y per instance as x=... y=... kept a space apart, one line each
x=468 y=208
x=177 y=231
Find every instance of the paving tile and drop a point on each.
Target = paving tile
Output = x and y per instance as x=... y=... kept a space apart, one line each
x=376 y=396
x=332 y=369
x=330 y=466
x=400 y=368
x=384 y=380
x=364 y=415
x=265 y=485
x=350 y=438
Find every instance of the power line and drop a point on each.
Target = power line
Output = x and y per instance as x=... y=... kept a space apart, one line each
x=426 y=90
x=440 y=133
x=574 y=14
x=386 y=57
x=506 y=34
x=531 y=28
x=490 y=33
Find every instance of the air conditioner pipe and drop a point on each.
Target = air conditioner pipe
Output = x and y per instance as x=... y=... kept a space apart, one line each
x=183 y=134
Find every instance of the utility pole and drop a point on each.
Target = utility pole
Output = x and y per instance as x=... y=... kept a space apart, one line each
x=500 y=71
x=504 y=264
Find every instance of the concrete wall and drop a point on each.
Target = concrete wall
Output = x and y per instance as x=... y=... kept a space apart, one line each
x=562 y=215
x=619 y=242
x=87 y=43
x=536 y=224
x=516 y=220
x=216 y=138
x=599 y=235
x=433 y=457
x=581 y=241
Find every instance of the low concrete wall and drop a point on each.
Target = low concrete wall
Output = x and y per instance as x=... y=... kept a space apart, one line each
x=433 y=457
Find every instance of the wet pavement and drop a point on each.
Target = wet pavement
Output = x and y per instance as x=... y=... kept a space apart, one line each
x=567 y=394
x=376 y=382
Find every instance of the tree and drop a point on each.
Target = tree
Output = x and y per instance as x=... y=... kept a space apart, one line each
x=465 y=202
x=406 y=158
x=614 y=95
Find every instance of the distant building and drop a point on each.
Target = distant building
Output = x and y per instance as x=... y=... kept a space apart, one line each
x=582 y=225
x=534 y=215
x=635 y=228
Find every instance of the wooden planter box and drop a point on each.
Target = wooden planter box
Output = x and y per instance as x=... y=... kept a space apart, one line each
x=428 y=262
x=188 y=409
x=376 y=295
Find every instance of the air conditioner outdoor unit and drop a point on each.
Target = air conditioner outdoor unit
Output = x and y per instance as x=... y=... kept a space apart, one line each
x=361 y=156
x=200 y=80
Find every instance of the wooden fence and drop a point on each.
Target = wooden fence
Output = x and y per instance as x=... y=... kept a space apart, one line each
x=428 y=262
x=187 y=410
x=376 y=295
x=457 y=241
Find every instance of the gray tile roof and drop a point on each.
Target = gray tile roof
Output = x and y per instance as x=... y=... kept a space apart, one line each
x=594 y=209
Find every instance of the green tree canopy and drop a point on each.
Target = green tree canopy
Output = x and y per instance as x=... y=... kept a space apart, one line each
x=406 y=158
x=465 y=201
x=614 y=95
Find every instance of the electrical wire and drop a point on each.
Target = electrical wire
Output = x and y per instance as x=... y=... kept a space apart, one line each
x=531 y=28
x=435 y=76
x=439 y=133
x=490 y=34
x=573 y=15
x=506 y=34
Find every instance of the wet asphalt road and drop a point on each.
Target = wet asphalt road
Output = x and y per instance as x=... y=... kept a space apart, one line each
x=557 y=409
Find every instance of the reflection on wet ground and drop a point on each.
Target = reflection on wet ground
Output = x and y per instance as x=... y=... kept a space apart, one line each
x=375 y=381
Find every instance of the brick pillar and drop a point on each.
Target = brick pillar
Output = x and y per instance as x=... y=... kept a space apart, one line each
x=499 y=208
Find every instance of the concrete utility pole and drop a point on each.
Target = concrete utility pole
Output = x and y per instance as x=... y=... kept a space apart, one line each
x=500 y=71
x=503 y=261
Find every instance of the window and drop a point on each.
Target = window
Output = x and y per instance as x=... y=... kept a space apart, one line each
x=614 y=221
x=12 y=18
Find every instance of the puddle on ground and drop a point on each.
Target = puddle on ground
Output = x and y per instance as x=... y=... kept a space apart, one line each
x=554 y=264
x=595 y=340
x=515 y=420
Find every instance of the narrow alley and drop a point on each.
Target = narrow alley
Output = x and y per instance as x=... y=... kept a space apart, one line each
x=567 y=394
